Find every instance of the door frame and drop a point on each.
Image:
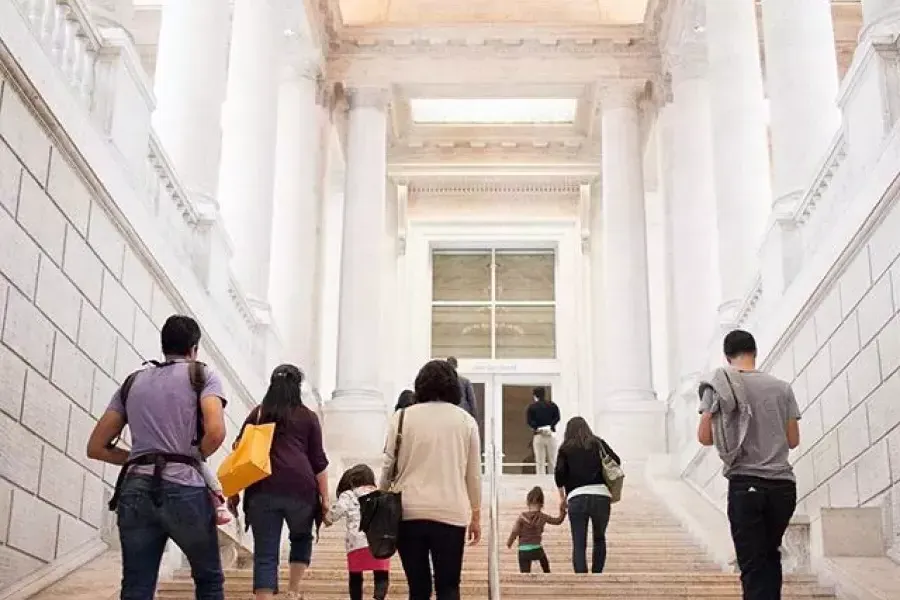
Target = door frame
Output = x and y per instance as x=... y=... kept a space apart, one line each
x=493 y=405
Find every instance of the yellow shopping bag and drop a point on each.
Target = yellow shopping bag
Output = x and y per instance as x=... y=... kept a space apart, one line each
x=250 y=462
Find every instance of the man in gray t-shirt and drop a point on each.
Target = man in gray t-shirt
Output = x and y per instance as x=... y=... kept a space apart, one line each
x=762 y=494
x=162 y=408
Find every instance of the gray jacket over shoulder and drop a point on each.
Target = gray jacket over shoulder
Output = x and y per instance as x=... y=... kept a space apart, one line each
x=731 y=413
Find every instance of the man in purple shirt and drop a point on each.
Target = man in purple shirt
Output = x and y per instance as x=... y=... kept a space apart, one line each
x=161 y=494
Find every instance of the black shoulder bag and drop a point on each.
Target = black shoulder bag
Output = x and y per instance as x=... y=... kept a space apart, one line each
x=382 y=510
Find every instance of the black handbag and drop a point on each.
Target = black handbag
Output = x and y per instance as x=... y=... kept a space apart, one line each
x=382 y=510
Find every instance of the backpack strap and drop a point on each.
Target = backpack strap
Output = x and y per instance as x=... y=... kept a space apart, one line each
x=124 y=389
x=197 y=376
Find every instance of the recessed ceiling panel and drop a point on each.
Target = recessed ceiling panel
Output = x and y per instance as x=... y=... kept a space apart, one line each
x=493 y=111
x=408 y=12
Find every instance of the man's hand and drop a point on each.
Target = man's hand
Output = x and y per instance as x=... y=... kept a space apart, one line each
x=475 y=529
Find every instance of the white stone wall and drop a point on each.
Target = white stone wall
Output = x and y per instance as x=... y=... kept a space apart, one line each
x=79 y=310
x=843 y=360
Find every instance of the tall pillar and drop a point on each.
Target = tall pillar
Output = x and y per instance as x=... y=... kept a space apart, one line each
x=628 y=413
x=740 y=145
x=246 y=175
x=692 y=215
x=802 y=82
x=357 y=410
x=626 y=306
x=190 y=87
x=299 y=170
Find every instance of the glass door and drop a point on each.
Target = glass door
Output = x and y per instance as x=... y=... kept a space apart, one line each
x=503 y=402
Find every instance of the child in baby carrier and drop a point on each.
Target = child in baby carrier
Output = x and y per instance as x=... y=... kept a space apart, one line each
x=529 y=529
x=355 y=482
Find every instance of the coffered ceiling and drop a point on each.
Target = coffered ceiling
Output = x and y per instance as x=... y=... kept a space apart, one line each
x=408 y=12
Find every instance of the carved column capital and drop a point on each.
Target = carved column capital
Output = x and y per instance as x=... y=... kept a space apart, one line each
x=687 y=62
x=368 y=97
x=622 y=94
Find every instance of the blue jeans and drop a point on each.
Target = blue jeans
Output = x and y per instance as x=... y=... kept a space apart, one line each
x=266 y=514
x=187 y=517
x=593 y=509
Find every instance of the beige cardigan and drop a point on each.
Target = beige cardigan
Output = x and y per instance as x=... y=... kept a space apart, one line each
x=439 y=464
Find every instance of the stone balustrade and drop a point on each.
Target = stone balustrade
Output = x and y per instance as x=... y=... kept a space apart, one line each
x=102 y=70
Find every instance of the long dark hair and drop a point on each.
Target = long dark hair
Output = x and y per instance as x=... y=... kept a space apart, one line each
x=354 y=477
x=579 y=435
x=283 y=395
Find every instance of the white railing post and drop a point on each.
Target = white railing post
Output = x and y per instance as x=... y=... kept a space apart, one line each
x=494 y=516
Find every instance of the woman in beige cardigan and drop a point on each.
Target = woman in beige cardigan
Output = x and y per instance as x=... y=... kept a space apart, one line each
x=439 y=475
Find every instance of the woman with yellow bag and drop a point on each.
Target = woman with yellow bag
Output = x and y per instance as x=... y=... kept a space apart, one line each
x=280 y=462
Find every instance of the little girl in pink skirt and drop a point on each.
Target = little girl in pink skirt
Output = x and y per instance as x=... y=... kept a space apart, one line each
x=355 y=482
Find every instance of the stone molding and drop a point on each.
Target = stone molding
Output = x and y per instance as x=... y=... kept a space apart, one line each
x=494 y=187
x=518 y=61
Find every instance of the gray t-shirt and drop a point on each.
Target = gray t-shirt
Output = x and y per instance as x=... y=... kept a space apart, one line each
x=765 y=450
x=162 y=415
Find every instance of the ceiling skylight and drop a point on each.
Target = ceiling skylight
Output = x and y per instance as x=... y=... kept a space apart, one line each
x=493 y=111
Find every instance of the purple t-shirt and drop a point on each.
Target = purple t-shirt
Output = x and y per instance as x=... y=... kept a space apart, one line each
x=162 y=414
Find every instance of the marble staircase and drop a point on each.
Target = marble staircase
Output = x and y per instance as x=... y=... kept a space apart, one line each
x=650 y=556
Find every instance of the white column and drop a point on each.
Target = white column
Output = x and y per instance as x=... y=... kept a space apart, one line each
x=299 y=162
x=626 y=320
x=740 y=144
x=189 y=85
x=246 y=176
x=802 y=82
x=692 y=215
x=358 y=406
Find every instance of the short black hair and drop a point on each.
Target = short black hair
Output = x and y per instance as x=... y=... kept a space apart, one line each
x=179 y=335
x=406 y=399
x=453 y=362
x=437 y=381
x=738 y=342
x=539 y=393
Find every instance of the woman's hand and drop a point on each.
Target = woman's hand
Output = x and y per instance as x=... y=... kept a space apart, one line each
x=475 y=528
x=233 y=503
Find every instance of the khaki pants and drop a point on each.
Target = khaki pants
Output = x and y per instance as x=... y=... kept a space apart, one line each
x=544 y=453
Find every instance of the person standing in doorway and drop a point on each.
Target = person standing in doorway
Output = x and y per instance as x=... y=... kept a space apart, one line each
x=543 y=417
x=752 y=419
x=466 y=390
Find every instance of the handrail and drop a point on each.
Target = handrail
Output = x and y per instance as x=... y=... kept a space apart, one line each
x=493 y=515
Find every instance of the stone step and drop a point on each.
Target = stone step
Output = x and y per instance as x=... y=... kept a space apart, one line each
x=535 y=586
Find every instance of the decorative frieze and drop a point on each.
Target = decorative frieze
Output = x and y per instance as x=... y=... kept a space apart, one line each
x=378 y=60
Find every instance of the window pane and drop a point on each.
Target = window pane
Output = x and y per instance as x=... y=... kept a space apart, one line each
x=461 y=277
x=461 y=331
x=525 y=277
x=526 y=332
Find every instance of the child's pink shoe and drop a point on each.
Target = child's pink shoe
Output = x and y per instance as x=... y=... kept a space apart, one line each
x=223 y=515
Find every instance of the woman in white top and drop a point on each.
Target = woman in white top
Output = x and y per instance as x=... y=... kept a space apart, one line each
x=439 y=475
x=582 y=489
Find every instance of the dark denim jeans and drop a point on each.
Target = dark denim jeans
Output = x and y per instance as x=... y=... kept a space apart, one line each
x=266 y=515
x=187 y=517
x=423 y=544
x=759 y=511
x=593 y=509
